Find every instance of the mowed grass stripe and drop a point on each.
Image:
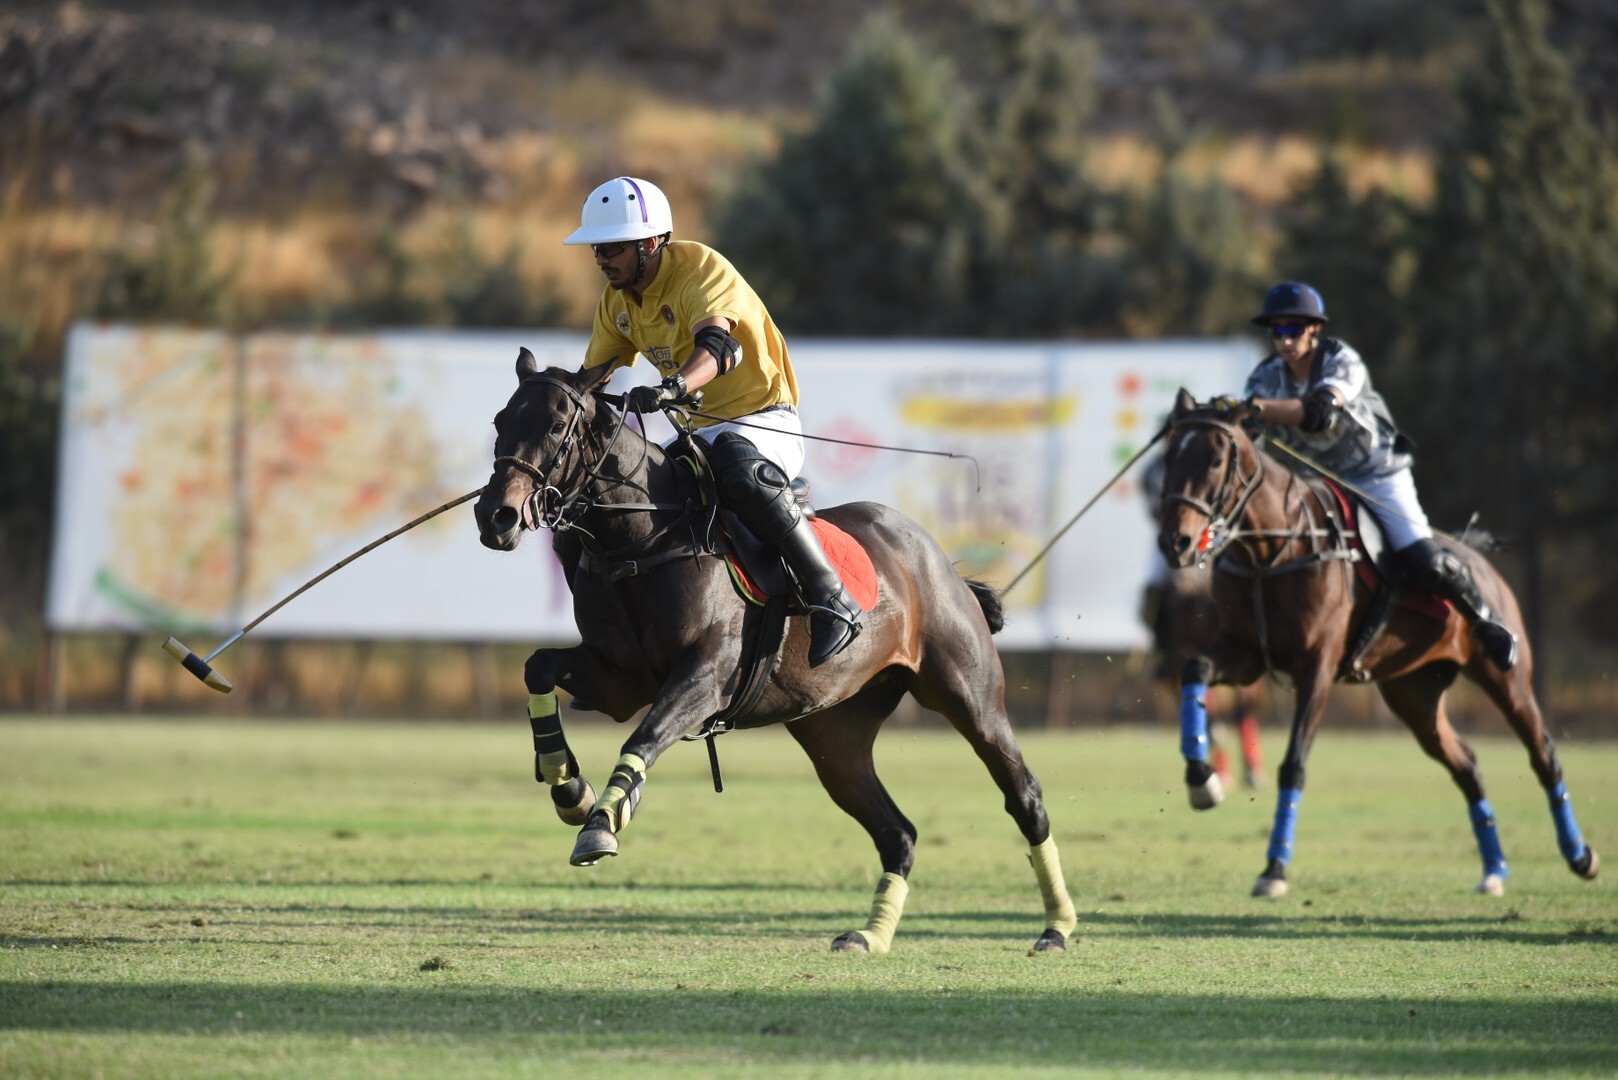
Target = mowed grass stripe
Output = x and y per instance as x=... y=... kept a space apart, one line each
x=187 y=898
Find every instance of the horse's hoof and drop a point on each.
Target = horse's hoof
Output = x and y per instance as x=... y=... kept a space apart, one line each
x=572 y=812
x=1272 y=888
x=1050 y=941
x=1207 y=795
x=1491 y=885
x=595 y=843
x=853 y=941
x=1588 y=866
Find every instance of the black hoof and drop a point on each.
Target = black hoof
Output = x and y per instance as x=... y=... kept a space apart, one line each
x=1049 y=941
x=1588 y=865
x=853 y=941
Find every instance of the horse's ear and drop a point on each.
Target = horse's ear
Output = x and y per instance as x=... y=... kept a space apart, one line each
x=526 y=364
x=589 y=380
x=1183 y=403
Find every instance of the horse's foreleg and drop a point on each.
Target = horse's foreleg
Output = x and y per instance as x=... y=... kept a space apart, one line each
x=1311 y=686
x=1221 y=663
x=554 y=763
x=683 y=702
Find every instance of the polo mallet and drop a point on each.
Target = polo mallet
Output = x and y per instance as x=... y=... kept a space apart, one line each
x=198 y=665
x=1074 y=520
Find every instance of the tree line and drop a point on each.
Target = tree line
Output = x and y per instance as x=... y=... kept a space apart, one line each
x=940 y=189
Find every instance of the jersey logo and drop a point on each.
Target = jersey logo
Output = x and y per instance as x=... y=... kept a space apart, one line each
x=668 y=314
x=622 y=322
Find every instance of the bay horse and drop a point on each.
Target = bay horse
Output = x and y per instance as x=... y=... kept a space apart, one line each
x=1285 y=580
x=662 y=624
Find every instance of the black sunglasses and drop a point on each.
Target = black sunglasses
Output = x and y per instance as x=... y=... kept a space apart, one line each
x=609 y=251
x=1288 y=329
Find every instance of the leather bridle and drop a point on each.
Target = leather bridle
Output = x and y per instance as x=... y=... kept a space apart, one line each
x=1230 y=498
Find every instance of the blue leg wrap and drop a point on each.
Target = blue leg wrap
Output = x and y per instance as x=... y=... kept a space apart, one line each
x=1567 y=830
x=1194 y=722
x=1494 y=858
x=1286 y=824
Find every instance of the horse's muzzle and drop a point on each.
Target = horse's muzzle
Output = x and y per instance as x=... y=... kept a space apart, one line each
x=1178 y=548
x=499 y=526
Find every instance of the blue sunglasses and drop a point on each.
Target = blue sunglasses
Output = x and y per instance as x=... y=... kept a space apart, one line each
x=1288 y=329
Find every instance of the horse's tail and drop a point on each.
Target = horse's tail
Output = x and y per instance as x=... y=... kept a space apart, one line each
x=989 y=601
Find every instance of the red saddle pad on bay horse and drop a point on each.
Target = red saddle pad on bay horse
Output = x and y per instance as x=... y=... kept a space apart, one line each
x=1420 y=601
x=852 y=563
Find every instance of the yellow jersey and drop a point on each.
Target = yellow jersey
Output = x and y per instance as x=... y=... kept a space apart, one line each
x=694 y=282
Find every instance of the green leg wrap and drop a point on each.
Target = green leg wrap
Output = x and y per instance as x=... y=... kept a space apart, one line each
x=553 y=762
x=1059 y=913
x=886 y=908
x=622 y=795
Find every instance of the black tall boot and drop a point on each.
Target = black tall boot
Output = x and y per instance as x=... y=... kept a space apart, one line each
x=755 y=490
x=1441 y=571
x=834 y=617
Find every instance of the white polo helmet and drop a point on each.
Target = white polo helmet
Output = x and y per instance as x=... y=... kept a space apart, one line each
x=623 y=209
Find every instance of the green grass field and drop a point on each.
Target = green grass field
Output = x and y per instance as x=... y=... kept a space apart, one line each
x=240 y=899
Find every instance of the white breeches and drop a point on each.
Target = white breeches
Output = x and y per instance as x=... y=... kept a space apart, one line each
x=778 y=434
x=1393 y=501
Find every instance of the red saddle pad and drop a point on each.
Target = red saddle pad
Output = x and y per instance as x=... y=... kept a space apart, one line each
x=852 y=563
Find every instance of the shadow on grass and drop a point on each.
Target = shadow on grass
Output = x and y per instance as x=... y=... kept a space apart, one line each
x=805 y=1025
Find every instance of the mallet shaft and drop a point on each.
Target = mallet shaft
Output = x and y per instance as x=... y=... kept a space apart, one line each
x=198 y=665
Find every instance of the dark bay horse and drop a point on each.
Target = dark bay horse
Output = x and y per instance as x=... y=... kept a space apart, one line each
x=661 y=624
x=1289 y=600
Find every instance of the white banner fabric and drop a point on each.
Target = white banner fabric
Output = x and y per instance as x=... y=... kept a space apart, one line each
x=202 y=477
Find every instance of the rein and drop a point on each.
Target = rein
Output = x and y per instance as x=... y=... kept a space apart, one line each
x=551 y=507
x=1325 y=544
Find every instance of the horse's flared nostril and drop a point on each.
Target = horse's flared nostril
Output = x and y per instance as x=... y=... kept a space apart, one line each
x=1182 y=545
x=503 y=520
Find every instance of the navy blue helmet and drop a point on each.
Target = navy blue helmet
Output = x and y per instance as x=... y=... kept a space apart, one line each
x=1294 y=299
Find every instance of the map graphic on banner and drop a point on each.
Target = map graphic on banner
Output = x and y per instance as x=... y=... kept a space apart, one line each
x=205 y=476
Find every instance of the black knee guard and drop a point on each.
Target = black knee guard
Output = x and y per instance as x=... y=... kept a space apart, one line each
x=753 y=487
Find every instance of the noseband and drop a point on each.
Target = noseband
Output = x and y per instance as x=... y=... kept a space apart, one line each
x=545 y=494
x=1230 y=498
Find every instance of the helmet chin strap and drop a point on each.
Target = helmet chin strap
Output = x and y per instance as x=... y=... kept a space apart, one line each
x=641 y=255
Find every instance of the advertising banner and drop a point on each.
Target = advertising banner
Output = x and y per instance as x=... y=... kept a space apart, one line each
x=204 y=476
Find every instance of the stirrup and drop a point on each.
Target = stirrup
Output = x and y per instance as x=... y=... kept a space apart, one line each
x=833 y=626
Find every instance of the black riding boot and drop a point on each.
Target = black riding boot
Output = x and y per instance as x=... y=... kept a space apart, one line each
x=755 y=490
x=1443 y=572
x=834 y=617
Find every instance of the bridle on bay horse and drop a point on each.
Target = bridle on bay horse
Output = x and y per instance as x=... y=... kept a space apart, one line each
x=1230 y=498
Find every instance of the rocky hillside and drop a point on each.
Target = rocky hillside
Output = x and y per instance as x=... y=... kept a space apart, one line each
x=389 y=101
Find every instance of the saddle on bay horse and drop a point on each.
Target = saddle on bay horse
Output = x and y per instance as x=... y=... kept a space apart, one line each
x=1373 y=566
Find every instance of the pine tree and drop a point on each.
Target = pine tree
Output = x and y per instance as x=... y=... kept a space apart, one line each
x=858 y=226
x=1515 y=308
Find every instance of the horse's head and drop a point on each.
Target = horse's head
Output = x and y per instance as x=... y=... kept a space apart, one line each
x=1211 y=470
x=539 y=450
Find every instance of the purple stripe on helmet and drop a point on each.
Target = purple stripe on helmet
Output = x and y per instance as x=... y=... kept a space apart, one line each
x=644 y=217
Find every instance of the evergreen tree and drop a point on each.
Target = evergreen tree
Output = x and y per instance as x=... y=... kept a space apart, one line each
x=858 y=225
x=1350 y=249
x=1515 y=308
x=1191 y=268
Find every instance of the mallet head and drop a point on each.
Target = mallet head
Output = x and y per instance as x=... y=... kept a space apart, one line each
x=197 y=666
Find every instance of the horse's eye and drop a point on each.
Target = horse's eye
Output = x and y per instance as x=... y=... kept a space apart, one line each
x=558 y=427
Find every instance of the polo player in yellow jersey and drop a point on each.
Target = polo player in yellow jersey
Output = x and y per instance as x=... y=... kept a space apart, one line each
x=684 y=307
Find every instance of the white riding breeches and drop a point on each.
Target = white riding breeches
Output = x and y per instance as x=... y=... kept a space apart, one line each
x=1392 y=499
x=778 y=434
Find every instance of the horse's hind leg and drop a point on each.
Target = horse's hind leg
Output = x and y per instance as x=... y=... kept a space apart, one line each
x=972 y=698
x=1512 y=693
x=1418 y=700
x=838 y=742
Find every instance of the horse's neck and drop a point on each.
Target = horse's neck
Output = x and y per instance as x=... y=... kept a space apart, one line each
x=1275 y=512
x=631 y=471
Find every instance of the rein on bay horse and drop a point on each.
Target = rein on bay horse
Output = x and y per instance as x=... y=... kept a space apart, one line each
x=672 y=632
x=1290 y=603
